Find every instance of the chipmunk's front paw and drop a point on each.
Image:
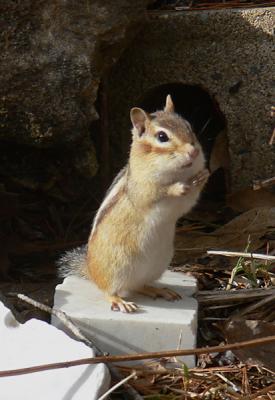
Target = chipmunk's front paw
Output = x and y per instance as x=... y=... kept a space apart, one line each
x=118 y=304
x=178 y=189
x=201 y=178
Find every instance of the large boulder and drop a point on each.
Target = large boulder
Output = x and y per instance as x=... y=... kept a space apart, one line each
x=53 y=57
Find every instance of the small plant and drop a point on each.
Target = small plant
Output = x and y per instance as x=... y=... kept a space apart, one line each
x=251 y=269
x=185 y=372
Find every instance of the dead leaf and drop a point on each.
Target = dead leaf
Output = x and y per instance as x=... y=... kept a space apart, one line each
x=220 y=157
x=246 y=199
x=239 y=330
x=232 y=236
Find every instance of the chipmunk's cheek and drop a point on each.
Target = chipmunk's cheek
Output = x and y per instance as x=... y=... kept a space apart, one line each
x=187 y=163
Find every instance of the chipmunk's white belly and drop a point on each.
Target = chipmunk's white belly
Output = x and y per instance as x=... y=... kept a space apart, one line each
x=156 y=257
x=156 y=246
x=155 y=241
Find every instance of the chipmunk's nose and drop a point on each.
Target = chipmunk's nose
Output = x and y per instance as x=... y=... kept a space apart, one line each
x=193 y=153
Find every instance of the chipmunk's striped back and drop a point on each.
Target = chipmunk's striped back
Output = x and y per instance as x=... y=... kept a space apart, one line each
x=112 y=195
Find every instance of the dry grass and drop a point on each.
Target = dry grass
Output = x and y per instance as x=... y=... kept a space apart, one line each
x=240 y=381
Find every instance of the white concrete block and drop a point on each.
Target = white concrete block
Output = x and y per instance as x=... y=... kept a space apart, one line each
x=35 y=343
x=159 y=324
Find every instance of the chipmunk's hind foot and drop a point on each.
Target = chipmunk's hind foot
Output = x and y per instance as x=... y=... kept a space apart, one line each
x=155 y=292
x=118 y=304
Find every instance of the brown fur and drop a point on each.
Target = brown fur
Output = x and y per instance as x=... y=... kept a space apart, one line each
x=105 y=211
x=117 y=227
x=162 y=150
x=95 y=273
x=173 y=123
x=147 y=142
x=148 y=148
x=145 y=148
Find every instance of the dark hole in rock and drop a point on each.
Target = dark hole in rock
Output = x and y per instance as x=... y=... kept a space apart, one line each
x=203 y=113
x=167 y=4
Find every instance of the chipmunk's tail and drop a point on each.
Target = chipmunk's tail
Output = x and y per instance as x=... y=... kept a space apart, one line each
x=73 y=262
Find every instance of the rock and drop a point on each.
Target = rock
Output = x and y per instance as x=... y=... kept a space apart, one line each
x=159 y=325
x=37 y=343
x=228 y=54
x=53 y=56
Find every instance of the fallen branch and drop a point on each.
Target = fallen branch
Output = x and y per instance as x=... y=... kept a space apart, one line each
x=237 y=296
x=255 y=306
x=241 y=254
x=143 y=370
x=272 y=139
x=265 y=183
x=209 y=6
x=132 y=393
x=66 y=321
x=261 y=392
x=113 y=388
x=139 y=356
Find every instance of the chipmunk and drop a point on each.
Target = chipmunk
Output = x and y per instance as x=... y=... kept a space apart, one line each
x=131 y=242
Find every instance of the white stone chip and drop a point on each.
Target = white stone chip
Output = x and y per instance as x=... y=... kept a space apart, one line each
x=159 y=324
x=35 y=343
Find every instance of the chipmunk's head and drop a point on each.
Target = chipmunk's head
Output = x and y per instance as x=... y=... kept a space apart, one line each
x=165 y=141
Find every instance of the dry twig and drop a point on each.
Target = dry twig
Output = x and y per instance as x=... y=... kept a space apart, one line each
x=238 y=296
x=256 y=395
x=257 y=305
x=241 y=254
x=78 y=334
x=265 y=183
x=113 y=388
x=66 y=321
x=272 y=139
x=139 y=356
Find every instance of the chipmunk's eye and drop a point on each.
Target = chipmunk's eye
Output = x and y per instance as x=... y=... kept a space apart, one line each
x=162 y=137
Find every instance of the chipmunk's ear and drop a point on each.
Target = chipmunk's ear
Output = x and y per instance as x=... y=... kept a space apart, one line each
x=169 y=106
x=138 y=118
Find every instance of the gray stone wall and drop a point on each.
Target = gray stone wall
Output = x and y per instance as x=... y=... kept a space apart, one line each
x=229 y=53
